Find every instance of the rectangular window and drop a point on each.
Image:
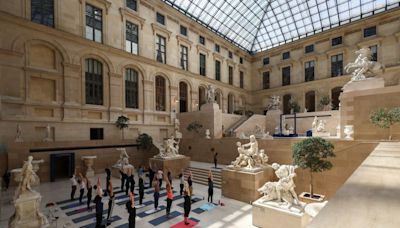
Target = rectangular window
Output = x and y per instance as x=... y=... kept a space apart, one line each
x=131 y=88
x=336 y=65
x=132 y=38
x=93 y=82
x=216 y=48
x=285 y=55
x=42 y=12
x=94 y=23
x=217 y=70
x=286 y=76
x=230 y=74
x=265 y=82
x=230 y=55
x=241 y=79
x=309 y=70
x=183 y=30
x=371 y=31
x=374 y=53
x=160 y=18
x=309 y=48
x=131 y=4
x=265 y=61
x=184 y=57
x=202 y=40
x=161 y=49
x=203 y=64
x=241 y=60
x=336 y=41
x=96 y=133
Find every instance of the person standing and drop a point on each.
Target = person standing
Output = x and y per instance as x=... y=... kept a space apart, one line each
x=215 y=159
x=141 y=190
x=99 y=204
x=160 y=176
x=127 y=181
x=132 y=181
x=170 y=197
x=187 y=203
x=123 y=177
x=81 y=189
x=130 y=206
x=108 y=178
x=111 y=202
x=74 y=184
x=89 y=193
x=140 y=171
x=190 y=183
x=156 y=194
x=6 y=179
x=182 y=180
x=151 y=176
x=169 y=175
x=210 y=187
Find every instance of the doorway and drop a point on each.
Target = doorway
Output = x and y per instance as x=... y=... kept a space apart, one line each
x=61 y=166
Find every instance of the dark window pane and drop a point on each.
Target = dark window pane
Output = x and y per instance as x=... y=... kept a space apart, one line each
x=131 y=88
x=336 y=41
x=374 y=53
x=132 y=38
x=230 y=74
x=241 y=60
x=336 y=65
x=42 y=12
x=266 y=61
x=160 y=94
x=202 y=65
x=217 y=70
x=217 y=48
x=202 y=40
x=94 y=23
x=160 y=18
x=131 y=4
x=161 y=49
x=230 y=55
x=266 y=80
x=183 y=30
x=96 y=133
x=309 y=71
x=371 y=31
x=286 y=55
x=309 y=48
x=94 y=82
x=241 y=79
x=184 y=57
x=286 y=76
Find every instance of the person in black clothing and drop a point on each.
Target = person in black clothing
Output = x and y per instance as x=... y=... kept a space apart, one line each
x=108 y=178
x=156 y=193
x=181 y=180
x=141 y=190
x=123 y=177
x=99 y=205
x=111 y=202
x=6 y=178
x=89 y=193
x=190 y=183
x=132 y=182
x=127 y=181
x=187 y=203
x=215 y=159
x=130 y=206
x=210 y=187
x=169 y=175
x=81 y=190
x=151 y=177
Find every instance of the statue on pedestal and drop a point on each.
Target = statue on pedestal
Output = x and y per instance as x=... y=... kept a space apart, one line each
x=250 y=157
x=274 y=103
x=169 y=149
x=210 y=94
x=18 y=136
x=177 y=124
x=47 y=138
x=123 y=158
x=363 y=66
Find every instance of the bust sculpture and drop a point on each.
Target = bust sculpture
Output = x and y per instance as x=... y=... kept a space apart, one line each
x=363 y=67
x=282 y=191
x=250 y=157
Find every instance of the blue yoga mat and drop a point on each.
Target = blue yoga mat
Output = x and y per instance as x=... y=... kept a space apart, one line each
x=104 y=222
x=164 y=218
x=72 y=205
x=86 y=217
x=143 y=214
x=198 y=210
x=146 y=203
x=208 y=206
x=126 y=225
x=79 y=210
x=193 y=219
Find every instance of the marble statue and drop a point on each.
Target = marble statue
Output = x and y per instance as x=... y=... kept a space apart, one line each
x=274 y=103
x=123 y=158
x=243 y=135
x=260 y=133
x=362 y=66
x=281 y=192
x=18 y=136
x=210 y=94
x=277 y=130
x=315 y=123
x=27 y=201
x=177 y=124
x=48 y=134
x=208 y=134
x=169 y=149
x=321 y=126
x=348 y=131
x=250 y=157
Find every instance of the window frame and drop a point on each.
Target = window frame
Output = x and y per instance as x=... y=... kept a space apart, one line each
x=286 y=55
x=131 y=41
x=335 y=41
x=161 y=93
x=41 y=12
x=184 y=57
x=218 y=70
x=94 y=82
x=202 y=40
x=241 y=79
x=266 y=80
x=309 y=49
x=309 y=71
x=134 y=2
x=161 y=49
x=230 y=75
x=183 y=28
x=202 y=64
x=266 y=61
x=286 y=71
x=367 y=31
x=93 y=27
x=131 y=88
x=337 y=65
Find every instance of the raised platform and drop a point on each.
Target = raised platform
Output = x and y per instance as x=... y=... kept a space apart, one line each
x=269 y=216
x=174 y=165
x=242 y=186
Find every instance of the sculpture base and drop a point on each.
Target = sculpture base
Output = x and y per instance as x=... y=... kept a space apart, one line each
x=115 y=171
x=209 y=107
x=242 y=186
x=90 y=173
x=369 y=83
x=321 y=134
x=174 y=165
x=27 y=212
x=264 y=213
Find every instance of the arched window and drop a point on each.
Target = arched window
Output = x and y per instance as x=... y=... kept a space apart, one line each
x=183 y=97
x=131 y=88
x=310 y=101
x=335 y=93
x=94 y=82
x=286 y=105
x=202 y=96
x=231 y=103
x=160 y=94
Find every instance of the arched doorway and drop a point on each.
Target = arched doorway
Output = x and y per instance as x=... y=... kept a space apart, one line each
x=231 y=103
x=335 y=94
x=286 y=103
x=202 y=96
x=310 y=101
x=183 y=97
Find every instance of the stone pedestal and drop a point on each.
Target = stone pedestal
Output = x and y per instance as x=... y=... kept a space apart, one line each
x=267 y=216
x=212 y=119
x=174 y=165
x=89 y=161
x=27 y=212
x=272 y=120
x=321 y=134
x=115 y=172
x=243 y=186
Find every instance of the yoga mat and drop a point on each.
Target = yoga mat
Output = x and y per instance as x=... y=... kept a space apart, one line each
x=164 y=218
x=104 y=222
x=192 y=223
x=198 y=210
x=194 y=200
x=176 y=198
x=144 y=214
x=86 y=217
x=208 y=206
x=69 y=206
x=126 y=225
x=77 y=211
x=146 y=203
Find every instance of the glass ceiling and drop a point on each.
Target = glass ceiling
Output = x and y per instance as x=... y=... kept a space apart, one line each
x=258 y=25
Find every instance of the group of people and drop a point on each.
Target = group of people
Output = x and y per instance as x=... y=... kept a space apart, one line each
x=156 y=179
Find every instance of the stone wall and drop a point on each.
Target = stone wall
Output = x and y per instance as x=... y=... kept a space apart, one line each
x=349 y=155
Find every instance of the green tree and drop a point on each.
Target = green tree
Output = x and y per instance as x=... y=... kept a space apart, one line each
x=122 y=122
x=385 y=118
x=145 y=141
x=313 y=153
x=324 y=102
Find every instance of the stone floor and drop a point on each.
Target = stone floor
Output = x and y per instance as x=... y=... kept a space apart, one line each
x=232 y=214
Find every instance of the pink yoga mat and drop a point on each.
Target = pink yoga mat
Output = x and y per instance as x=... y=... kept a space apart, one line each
x=182 y=224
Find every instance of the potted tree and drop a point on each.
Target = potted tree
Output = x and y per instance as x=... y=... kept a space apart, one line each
x=313 y=153
x=122 y=122
x=324 y=102
x=294 y=106
x=145 y=141
x=385 y=118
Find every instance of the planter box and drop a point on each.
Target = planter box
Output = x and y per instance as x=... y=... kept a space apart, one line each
x=305 y=196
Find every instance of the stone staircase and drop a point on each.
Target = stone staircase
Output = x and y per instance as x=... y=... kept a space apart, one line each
x=230 y=132
x=200 y=176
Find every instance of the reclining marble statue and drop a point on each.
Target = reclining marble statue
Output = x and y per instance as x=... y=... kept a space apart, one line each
x=169 y=149
x=27 y=201
x=281 y=193
x=363 y=67
x=250 y=157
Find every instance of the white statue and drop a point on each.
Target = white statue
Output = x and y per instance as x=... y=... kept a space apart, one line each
x=250 y=158
x=321 y=126
x=210 y=94
x=123 y=158
x=18 y=136
x=315 y=123
x=260 y=133
x=208 y=134
x=177 y=124
x=28 y=176
x=363 y=66
x=169 y=149
x=48 y=132
x=243 y=135
x=274 y=103
x=282 y=191
x=277 y=130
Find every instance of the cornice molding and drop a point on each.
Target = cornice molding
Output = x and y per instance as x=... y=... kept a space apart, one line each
x=131 y=15
x=160 y=29
x=105 y=3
